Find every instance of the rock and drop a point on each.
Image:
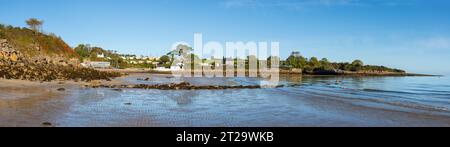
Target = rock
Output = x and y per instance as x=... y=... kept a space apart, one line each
x=61 y=89
x=43 y=69
x=296 y=70
x=180 y=86
x=120 y=90
x=47 y=124
x=95 y=83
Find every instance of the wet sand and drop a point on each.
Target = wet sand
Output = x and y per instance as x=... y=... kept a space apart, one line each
x=24 y=103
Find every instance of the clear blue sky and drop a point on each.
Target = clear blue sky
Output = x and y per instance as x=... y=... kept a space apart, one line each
x=407 y=34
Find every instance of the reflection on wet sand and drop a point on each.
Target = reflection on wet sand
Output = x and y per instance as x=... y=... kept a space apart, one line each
x=318 y=101
x=27 y=105
x=184 y=98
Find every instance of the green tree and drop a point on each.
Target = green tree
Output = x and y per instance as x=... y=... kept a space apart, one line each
x=324 y=61
x=314 y=62
x=83 y=50
x=325 y=64
x=357 y=65
x=303 y=62
x=293 y=62
x=269 y=60
x=297 y=62
x=164 y=59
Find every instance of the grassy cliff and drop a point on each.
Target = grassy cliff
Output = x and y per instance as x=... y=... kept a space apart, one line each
x=34 y=43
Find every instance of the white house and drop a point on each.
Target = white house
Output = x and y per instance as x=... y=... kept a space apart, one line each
x=205 y=64
x=101 y=55
x=176 y=67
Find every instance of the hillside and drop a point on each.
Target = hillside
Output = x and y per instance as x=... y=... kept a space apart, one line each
x=34 y=43
x=30 y=55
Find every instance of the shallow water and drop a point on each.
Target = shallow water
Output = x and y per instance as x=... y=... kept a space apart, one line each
x=318 y=101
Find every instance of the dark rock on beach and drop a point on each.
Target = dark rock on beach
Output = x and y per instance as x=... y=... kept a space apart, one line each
x=179 y=86
x=47 y=124
x=144 y=79
x=118 y=90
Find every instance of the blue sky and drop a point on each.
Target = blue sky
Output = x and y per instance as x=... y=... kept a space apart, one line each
x=407 y=34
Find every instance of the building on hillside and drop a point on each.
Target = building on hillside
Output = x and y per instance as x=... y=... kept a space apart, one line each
x=101 y=55
x=153 y=58
x=177 y=67
x=204 y=64
x=133 y=62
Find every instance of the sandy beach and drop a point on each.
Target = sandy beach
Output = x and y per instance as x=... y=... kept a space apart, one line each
x=24 y=103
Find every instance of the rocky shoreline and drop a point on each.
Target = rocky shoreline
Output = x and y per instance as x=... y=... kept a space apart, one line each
x=285 y=72
x=176 y=86
x=13 y=65
x=351 y=73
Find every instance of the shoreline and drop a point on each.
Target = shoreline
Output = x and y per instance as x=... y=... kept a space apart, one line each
x=81 y=106
x=282 y=72
x=118 y=82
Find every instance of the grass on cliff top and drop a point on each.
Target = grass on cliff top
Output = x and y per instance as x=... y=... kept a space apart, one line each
x=32 y=43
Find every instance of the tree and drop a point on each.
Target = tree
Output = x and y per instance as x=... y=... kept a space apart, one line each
x=35 y=24
x=325 y=64
x=292 y=61
x=303 y=62
x=83 y=50
x=164 y=59
x=314 y=62
x=358 y=63
x=324 y=61
x=297 y=61
x=269 y=60
x=180 y=50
